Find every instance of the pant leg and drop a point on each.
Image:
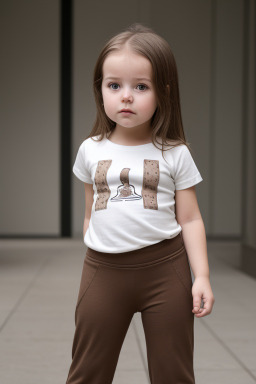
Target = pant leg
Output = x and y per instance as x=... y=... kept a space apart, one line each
x=168 y=320
x=103 y=315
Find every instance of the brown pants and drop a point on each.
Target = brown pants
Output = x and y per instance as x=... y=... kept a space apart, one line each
x=154 y=280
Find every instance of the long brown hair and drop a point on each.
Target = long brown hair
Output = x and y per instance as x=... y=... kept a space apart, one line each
x=166 y=122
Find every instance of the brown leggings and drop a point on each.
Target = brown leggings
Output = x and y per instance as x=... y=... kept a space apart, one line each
x=154 y=280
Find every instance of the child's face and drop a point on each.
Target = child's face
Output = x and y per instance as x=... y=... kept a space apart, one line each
x=122 y=89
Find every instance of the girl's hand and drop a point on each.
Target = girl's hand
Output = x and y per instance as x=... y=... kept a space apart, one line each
x=202 y=290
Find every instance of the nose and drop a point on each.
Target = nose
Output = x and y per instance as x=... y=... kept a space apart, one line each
x=127 y=96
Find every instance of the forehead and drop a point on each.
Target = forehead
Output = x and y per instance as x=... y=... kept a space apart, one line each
x=126 y=63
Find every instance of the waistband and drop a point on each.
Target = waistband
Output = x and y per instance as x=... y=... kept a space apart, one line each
x=154 y=253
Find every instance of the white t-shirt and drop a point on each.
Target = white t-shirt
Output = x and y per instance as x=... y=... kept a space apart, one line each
x=134 y=190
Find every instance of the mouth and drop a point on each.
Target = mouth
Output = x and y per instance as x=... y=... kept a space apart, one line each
x=126 y=111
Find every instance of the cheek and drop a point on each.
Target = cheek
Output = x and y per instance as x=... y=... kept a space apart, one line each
x=108 y=97
x=153 y=103
x=109 y=108
x=104 y=95
x=149 y=104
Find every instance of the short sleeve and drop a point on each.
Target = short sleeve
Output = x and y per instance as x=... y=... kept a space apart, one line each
x=186 y=173
x=80 y=168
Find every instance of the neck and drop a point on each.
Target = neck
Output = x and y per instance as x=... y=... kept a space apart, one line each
x=131 y=135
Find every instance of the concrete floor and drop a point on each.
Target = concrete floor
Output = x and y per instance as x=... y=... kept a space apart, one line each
x=39 y=281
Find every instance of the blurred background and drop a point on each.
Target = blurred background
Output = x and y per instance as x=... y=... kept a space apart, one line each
x=48 y=52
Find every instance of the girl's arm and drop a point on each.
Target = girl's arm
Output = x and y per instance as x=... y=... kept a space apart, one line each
x=189 y=217
x=88 y=205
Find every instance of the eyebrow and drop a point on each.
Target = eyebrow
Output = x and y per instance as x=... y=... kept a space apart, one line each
x=137 y=78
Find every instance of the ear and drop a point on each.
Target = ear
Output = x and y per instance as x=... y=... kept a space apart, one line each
x=168 y=88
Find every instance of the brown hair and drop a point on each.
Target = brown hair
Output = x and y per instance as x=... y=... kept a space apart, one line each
x=166 y=121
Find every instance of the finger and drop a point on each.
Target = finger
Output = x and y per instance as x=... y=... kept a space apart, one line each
x=196 y=303
x=203 y=313
x=205 y=310
x=197 y=309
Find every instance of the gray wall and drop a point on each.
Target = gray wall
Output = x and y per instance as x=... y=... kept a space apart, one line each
x=248 y=224
x=29 y=118
x=250 y=143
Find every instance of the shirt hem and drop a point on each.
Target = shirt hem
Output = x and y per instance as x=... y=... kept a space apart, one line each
x=133 y=249
x=189 y=183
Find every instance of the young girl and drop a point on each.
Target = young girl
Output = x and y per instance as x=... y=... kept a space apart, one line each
x=142 y=223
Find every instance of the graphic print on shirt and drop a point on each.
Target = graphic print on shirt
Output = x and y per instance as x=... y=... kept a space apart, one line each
x=126 y=191
x=150 y=183
x=103 y=191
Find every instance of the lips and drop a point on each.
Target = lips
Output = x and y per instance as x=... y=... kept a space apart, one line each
x=126 y=110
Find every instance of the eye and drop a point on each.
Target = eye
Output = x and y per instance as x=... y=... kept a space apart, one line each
x=139 y=85
x=112 y=84
x=142 y=85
